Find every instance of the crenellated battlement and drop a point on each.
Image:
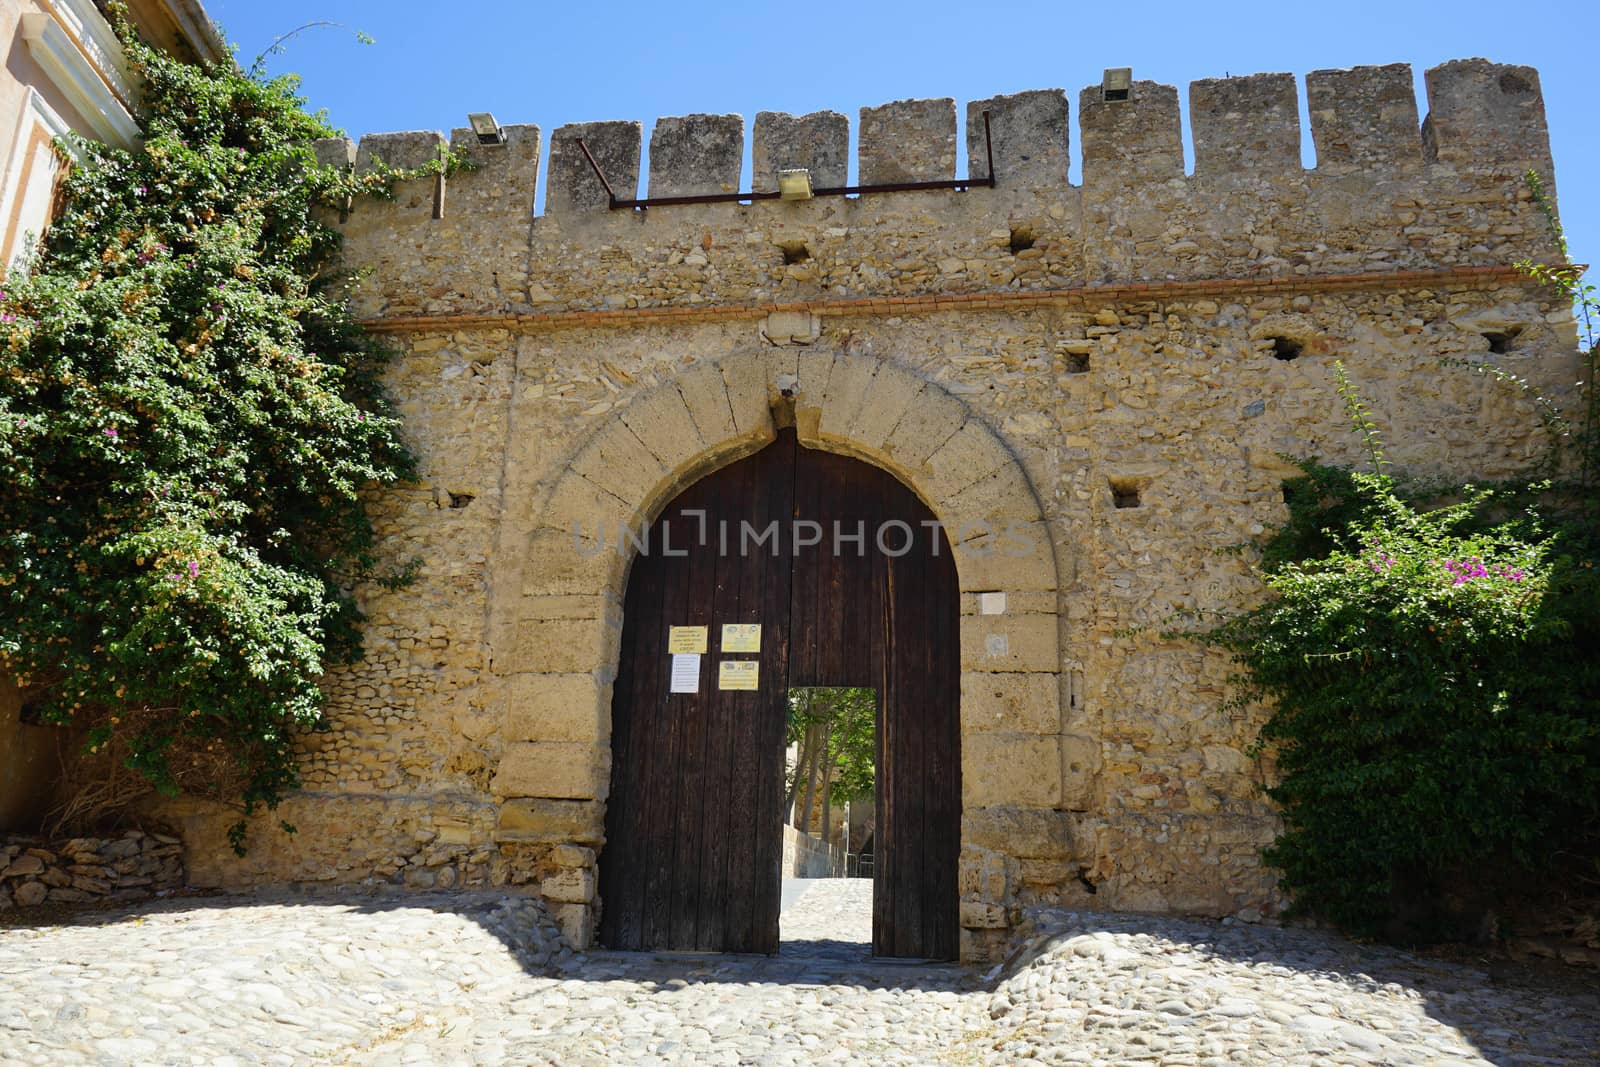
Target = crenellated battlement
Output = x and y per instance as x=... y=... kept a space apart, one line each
x=1390 y=190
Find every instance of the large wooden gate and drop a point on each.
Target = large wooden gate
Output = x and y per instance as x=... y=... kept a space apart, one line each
x=853 y=584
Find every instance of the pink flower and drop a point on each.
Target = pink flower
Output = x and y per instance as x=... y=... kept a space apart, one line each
x=111 y=432
x=194 y=569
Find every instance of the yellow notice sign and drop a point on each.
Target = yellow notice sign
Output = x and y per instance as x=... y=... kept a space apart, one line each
x=737 y=674
x=686 y=639
x=741 y=637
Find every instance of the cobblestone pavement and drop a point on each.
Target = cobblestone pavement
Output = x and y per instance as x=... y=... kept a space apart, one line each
x=483 y=978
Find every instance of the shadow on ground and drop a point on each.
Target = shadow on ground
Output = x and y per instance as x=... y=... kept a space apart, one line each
x=1511 y=1014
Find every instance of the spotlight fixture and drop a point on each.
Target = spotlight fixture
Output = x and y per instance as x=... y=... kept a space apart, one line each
x=1115 y=83
x=794 y=184
x=487 y=129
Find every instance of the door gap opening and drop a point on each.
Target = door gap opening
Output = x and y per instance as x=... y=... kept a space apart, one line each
x=829 y=813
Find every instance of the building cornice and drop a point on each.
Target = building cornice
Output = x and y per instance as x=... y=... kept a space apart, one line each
x=197 y=27
x=71 y=56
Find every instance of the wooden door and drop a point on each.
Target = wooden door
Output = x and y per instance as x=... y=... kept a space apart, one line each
x=854 y=586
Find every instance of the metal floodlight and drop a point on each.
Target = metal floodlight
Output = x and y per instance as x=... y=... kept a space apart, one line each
x=794 y=184
x=1115 y=83
x=487 y=129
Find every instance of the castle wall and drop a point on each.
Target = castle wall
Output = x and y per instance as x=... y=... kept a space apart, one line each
x=1039 y=353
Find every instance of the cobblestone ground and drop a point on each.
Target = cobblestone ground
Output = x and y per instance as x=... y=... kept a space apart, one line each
x=483 y=978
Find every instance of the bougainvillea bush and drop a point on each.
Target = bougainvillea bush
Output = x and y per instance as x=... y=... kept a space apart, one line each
x=1434 y=688
x=187 y=419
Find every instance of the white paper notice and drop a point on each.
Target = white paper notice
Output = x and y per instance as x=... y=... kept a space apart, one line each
x=686 y=672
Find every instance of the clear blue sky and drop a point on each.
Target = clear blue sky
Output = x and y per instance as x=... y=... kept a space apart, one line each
x=552 y=63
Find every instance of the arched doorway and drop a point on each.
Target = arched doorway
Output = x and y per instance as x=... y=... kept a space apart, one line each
x=853 y=583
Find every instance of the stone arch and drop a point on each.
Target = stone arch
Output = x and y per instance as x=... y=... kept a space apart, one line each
x=565 y=609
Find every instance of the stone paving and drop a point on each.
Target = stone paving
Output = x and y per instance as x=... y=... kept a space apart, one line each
x=484 y=978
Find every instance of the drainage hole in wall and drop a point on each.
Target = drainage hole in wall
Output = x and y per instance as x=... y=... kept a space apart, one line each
x=1021 y=239
x=1125 y=492
x=460 y=500
x=794 y=252
x=1077 y=363
x=1286 y=348
x=1500 y=341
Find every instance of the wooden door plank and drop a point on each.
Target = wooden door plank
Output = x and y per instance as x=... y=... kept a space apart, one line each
x=776 y=601
x=721 y=781
x=691 y=777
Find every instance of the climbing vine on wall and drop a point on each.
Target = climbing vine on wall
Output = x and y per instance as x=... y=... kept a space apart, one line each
x=188 y=417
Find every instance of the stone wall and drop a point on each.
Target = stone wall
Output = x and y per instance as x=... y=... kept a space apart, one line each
x=87 y=870
x=805 y=856
x=1118 y=367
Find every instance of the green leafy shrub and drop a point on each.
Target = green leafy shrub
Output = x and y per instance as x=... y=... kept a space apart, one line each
x=1434 y=695
x=1434 y=729
x=187 y=418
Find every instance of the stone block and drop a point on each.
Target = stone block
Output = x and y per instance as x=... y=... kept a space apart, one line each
x=749 y=388
x=1041 y=874
x=1018 y=557
x=1245 y=127
x=572 y=885
x=573 y=606
x=1137 y=141
x=846 y=392
x=1010 y=643
x=1364 y=117
x=557 y=563
x=695 y=155
x=1010 y=703
x=535 y=820
x=567 y=646
x=791 y=328
x=907 y=141
x=705 y=395
x=818 y=142
x=976 y=915
x=988 y=505
x=662 y=422
x=1023 y=770
x=577 y=924
x=1080 y=771
x=553 y=770
x=572 y=856
x=892 y=392
x=597 y=512
x=928 y=423
x=1030 y=136
x=1022 y=832
x=982 y=947
x=574 y=189
x=968 y=455
x=618 y=462
x=558 y=707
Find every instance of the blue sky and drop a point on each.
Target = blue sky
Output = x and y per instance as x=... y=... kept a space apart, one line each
x=555 y=63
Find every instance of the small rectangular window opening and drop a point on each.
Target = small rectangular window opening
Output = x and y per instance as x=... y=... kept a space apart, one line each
x=1125 y=492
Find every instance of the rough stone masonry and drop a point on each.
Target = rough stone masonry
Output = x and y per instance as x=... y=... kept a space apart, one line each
x=1118 y=365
